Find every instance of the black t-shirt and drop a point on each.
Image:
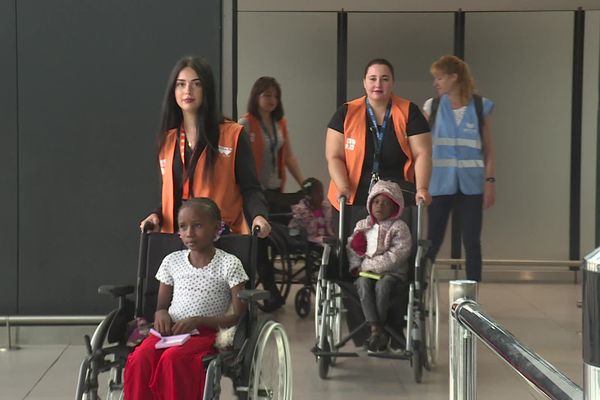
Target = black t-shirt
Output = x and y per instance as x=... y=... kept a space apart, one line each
x=393 y=158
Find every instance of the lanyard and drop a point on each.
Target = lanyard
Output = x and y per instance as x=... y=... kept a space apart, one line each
x=378 y=133
x=272 y=140
x=186 y=183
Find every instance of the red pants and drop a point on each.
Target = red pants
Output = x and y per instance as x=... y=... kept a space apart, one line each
x=175 y=373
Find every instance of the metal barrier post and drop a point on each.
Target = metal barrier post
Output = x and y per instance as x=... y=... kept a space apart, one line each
x=591 y=325
x=462 y=346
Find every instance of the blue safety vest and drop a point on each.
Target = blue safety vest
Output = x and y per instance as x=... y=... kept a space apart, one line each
x=457 y=151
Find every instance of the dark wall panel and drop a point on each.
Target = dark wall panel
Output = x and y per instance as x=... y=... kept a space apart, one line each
x=91 y=80
x=8 y=161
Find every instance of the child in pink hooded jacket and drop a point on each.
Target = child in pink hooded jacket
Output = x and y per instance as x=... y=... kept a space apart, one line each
x=380 y=244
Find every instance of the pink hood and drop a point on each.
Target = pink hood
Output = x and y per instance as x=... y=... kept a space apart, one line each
x=391 y=190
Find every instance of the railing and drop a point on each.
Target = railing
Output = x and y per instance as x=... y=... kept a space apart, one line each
x=554 y=265
x=468 y=321
x=44 y=320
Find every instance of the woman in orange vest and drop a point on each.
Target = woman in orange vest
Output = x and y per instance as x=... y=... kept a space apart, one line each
x=267 y=129
x=203 y=155
x=379 y=135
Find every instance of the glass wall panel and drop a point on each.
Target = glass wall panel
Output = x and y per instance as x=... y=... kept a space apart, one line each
x=299 y=50
x=590 y=130
x=523 y=62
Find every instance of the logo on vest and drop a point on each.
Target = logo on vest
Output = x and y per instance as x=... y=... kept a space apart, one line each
x=226 y=151
x=469 y=126
x=350 y=144
x=163 y=165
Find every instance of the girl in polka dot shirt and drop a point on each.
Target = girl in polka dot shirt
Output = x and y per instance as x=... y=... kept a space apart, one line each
x=197 y=286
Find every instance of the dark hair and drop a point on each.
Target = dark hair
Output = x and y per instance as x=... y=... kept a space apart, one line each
x=379 y=61
x=209 y=117
x=203 y=203
x=261 y=85
x=309 y=184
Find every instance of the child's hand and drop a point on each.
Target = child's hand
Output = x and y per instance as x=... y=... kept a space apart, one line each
x=185 y=326
x=163 y=322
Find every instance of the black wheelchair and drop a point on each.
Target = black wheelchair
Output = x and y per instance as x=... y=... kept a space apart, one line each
x=415 y=306
x=292 y=257
x=258 y=361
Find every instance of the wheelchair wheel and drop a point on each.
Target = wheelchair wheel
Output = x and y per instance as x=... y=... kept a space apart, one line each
x=268 y=368
x=335 y=322
x=282 y=266
x=302 y=302
x=417 y=361
x=324 y=361
x=432 y=317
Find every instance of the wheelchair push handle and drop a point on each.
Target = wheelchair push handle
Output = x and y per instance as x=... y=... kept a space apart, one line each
x=255 y=230
x=148 y=227
x=420 y=213
x=342 y=216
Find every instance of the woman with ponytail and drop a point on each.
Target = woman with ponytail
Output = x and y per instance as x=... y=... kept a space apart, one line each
x=464 y=174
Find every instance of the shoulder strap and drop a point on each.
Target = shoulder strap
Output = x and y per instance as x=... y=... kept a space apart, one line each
x=435 y=103
x=479 y=111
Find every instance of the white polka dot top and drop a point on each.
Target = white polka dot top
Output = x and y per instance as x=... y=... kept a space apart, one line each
x=200 y=291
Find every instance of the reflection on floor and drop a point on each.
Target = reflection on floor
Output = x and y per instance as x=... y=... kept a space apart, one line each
x=543 y=316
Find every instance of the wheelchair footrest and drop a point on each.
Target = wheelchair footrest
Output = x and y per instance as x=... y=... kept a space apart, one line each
x=406 y=355
x=319 y=353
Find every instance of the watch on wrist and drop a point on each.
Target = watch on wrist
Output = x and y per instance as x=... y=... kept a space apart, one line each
x=490 y=179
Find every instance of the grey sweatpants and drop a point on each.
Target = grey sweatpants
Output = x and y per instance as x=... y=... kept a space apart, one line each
x=375 y=296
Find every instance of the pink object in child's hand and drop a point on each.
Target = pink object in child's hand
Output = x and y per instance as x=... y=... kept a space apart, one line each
x=359 y=243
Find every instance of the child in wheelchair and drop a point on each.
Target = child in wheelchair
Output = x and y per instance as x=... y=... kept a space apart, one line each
x=378 y=252
x=312 y=215
x=197 y=286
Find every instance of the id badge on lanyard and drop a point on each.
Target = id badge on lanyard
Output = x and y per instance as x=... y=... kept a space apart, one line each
x=378 y=134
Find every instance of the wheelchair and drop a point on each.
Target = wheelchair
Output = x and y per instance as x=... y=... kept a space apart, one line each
x=419 y=304
x=294 y=259
x=258 y=361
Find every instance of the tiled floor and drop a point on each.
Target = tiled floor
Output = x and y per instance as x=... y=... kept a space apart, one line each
x=543 y=316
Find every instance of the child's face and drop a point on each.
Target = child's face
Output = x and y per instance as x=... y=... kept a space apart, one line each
x=382 y=207
x=197 y=228
x=317 y=196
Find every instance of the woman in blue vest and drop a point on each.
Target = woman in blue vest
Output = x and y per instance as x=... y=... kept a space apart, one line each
x=464 y=174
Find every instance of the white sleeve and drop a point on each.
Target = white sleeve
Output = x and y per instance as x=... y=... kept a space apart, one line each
x=234 y=270
x=164 y=271
x=427 y=106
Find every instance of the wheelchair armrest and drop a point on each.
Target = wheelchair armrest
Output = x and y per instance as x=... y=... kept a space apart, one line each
x=254 y=295
x=116 y=291
x=331 y=241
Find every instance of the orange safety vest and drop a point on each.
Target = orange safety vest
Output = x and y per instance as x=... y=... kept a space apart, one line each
x=355 y=130
x=258 y=145
x=222 y=188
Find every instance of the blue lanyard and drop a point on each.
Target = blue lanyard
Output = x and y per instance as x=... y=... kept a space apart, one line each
x=379 y=133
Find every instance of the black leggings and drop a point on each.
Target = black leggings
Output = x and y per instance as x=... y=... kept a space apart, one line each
x=469 y=208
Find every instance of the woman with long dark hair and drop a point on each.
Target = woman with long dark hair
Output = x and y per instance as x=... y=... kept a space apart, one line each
x=201 y=154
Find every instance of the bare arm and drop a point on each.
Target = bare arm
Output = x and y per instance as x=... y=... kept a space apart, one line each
x=291 y=162
x=162 y=319
x=489 y=160
x=420 y=145
x=336 y=161
x=222 y=321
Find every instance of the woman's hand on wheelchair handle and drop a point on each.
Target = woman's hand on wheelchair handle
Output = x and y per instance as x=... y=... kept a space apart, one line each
x=423 y=194
x=153 y=220
x=263 y=224
x=163 y=322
